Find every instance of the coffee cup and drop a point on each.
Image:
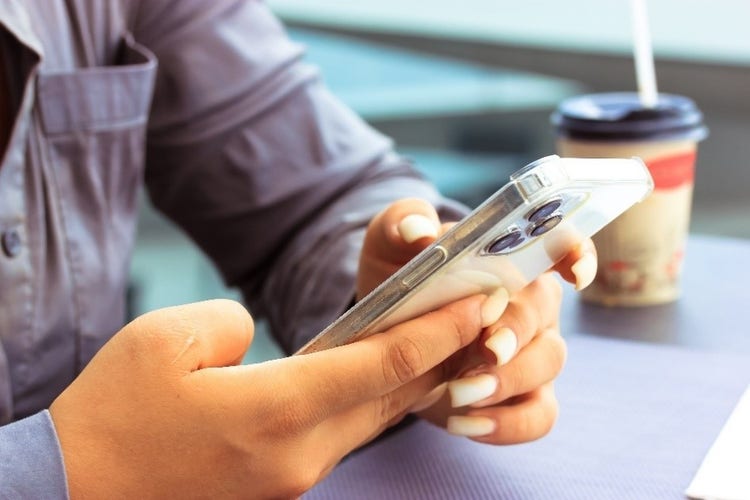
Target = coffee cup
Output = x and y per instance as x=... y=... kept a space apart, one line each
x=640 y=254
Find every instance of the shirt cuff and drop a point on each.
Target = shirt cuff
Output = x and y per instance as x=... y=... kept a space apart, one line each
x=31 y=462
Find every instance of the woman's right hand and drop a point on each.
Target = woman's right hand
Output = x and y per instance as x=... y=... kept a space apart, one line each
x=163 y=410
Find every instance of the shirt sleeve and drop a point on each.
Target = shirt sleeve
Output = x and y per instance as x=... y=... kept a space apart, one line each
x=31 y=463
x=267 y=171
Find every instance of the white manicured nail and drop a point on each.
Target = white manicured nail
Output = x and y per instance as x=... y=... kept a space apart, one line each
x=430 y=399
x=469 y=390
x=494 y=306
x=503 y=343
x=470 y=426
x=415 y=226
x=584 y=270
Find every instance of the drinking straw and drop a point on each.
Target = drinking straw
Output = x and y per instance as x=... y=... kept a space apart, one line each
x=644 y=56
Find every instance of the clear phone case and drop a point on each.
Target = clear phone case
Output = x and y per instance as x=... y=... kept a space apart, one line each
x=546 y=209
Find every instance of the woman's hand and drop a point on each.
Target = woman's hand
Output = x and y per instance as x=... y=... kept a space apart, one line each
x=504 y=389
x=162 y=411
x=504 y=392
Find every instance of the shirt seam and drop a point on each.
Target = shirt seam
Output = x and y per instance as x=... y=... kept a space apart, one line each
x=68 y=247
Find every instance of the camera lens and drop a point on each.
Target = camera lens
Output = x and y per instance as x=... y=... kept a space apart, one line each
x=540 y=227
x=505 y=242
x=544 y=211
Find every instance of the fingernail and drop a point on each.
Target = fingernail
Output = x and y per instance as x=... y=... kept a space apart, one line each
x=430 y=399
x=469 y=390
x=503 y=343
x=415 y=226
x=470 y=426
x=584 y=270
x=494 y=306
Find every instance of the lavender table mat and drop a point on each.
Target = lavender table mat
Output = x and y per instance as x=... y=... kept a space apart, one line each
x=636 y=420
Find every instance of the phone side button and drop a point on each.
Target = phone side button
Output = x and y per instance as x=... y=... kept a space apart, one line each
x=429 y=263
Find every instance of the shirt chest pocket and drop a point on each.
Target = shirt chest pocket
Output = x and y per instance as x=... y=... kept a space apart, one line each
x=93 y=124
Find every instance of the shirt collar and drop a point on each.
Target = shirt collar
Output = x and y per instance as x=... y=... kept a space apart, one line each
x=16 y=20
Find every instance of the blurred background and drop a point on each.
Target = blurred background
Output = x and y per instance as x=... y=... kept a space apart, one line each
x=466 y=90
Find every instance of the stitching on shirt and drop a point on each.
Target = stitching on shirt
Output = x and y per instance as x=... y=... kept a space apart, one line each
x=68 y=248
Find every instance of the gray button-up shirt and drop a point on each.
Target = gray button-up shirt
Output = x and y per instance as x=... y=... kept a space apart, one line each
x=209 y=105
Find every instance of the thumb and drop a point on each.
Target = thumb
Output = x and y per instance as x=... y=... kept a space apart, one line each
x=213 y=333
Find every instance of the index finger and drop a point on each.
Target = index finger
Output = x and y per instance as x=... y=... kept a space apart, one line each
x=367 y=369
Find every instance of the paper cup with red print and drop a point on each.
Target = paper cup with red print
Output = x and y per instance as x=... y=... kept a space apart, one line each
x=641 y=252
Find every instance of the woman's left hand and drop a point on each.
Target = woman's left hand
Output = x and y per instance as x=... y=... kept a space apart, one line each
x=501 y=388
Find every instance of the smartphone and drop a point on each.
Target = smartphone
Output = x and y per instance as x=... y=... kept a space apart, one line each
x=547 y=208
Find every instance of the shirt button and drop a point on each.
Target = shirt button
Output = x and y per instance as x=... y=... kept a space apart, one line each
x=11 y=243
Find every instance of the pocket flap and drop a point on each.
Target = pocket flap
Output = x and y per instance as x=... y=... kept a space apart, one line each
x=99 y=98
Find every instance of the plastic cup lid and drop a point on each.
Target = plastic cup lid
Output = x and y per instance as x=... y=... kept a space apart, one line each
x=621 y=116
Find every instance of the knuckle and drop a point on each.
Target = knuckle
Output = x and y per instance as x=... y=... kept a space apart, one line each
x=146 y=333
x=551 y=286
x=298 y=415
x=404 y=361
x=527 y=319
x=288 y=412
x=301 y=476
x=306 y=479
x=514 y=379
x=290 y=423
x=539 y=419
x=238 y=311
x=292 y=473
x=559 y=352
x=521 y=317
x=388 y=407
x=536 y=307
x=460 y=328
x=531 y=420
x=557 y=290
x=381 y=409
x=518 y=429
x=136 y=330
x=549 y=413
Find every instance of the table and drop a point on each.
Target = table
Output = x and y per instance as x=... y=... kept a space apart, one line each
x=643 y=396
x=708 y=316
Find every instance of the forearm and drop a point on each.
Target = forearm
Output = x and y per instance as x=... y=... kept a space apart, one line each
x=268 y=172
x=313 y=281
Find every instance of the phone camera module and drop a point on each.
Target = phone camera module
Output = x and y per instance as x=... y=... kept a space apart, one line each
x=544 y=211
x=506 y=242
x=542 y=226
